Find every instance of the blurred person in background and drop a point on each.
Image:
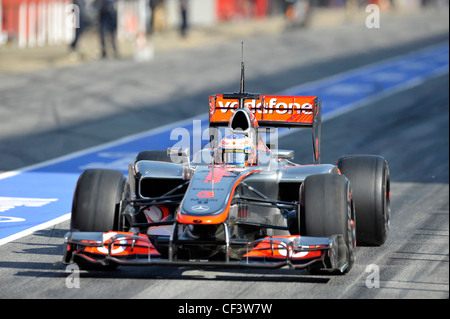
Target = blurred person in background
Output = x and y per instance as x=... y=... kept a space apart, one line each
x=298 y=12
x=79 y=28
x=108 y=24
x=158 y=15
x=184 y=23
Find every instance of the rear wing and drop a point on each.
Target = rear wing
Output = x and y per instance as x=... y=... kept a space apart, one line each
x=271 y=111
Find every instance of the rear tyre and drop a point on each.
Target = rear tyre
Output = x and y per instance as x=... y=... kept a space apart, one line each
x=96 y=201
x=370 y=179
x=153 y=155
x=328 y=210
x=161 y=156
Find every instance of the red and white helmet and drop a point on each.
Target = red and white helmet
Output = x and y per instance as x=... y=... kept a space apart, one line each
x=237 y=150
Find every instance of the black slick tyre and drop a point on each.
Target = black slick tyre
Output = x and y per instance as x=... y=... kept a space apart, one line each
x=370 y=179
x=96 y=201
x=161 y=156
x=328 y=210
x=153 y=155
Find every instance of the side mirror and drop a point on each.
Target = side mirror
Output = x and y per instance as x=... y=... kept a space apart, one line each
x=283 y=154
x=179 y=156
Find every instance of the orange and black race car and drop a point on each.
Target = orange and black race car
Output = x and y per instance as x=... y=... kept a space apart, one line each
x=239 y=203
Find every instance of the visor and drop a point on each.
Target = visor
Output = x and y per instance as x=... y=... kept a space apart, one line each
x=235 y=157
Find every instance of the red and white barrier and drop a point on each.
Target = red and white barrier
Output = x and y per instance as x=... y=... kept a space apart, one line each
x=52 y=22
x=39 y=22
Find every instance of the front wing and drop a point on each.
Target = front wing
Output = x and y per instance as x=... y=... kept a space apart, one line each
x=122 y=248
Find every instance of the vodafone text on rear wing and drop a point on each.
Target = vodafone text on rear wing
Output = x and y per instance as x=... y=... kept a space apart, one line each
x=270 y=111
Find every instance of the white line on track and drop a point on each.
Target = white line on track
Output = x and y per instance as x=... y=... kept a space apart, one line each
x=36 y=228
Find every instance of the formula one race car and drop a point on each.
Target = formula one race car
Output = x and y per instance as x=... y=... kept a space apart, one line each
x=238 y=203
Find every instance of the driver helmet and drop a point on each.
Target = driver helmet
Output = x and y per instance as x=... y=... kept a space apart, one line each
x=237 y=150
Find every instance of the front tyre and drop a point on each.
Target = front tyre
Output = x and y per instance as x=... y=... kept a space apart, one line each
x=96 y=201
x=328 y=210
